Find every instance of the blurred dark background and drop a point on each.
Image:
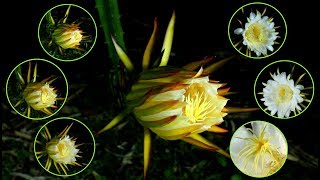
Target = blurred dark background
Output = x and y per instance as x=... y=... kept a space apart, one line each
x=201 y=30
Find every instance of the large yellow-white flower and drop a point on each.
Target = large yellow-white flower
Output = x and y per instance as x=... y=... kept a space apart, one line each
x=62 y=150
x=176 y=103
x=259 y=150
x=259 y=33
x=281 y=95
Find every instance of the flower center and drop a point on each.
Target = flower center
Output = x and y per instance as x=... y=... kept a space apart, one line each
x=255 y=33
x=284 y=94
x=45 y=96
x=63 y=149
x=198 y=107
x=76 y=35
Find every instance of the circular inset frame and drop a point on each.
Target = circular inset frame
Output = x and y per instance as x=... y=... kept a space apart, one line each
x=67 y=143
x=67 y=32
x=258 y=149
x=260 y=33
x=285 y=87
x=36 y=99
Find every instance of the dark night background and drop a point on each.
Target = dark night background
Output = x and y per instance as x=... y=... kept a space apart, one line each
x=201 y=30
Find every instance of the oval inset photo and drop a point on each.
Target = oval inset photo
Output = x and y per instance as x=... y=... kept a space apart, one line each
x=258 y=149
x=37 y=89
x=64 y=146
x=284 y=89
x=67 y=32
x=257 y=30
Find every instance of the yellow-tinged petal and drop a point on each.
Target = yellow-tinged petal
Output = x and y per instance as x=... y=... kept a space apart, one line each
x=28 y=111
x=198 y=140
x=66 y=15
x=176 y=137
x=19 y=102
x=230 y=109
x=150 y=45
x=192 y=141
x=160 y=107
x=47 y=79
x=177 y=131
x=149 y=85
x=167 y=43
x=65 y=131
x=146 y=151
x=29 y=72
x=199 y=73
x=35 y=73
x=161 y=115
x=21 y=79
x=194 y=65
x=63 y=169
x=158 y=123
x=47 y=132
x=168 y=95
x=137 y=94
x=57 y=167
x=123 y=56
x=223 y=91
x=144 y=92
x=213 y=67
x=46 y=111
x=48 y=163
x=51 y=81
x=158 y=72
x=115 y=120
x=217 y=129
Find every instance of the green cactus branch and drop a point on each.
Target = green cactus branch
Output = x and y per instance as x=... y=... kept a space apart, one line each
x=109 y=16
x=110 y=22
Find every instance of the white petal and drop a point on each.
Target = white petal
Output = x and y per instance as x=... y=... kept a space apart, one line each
x=264 y=51
x=300 y=87
x=257 y=127
x=271 y=25
x=238 y=31
x=252 y=15
x=270 y=48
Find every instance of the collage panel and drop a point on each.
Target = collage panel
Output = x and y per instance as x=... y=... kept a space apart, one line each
x=37 y=89
x=67 y=32
x=258 y=149
x=284 y=89
x=64 y=146
x=257 y=30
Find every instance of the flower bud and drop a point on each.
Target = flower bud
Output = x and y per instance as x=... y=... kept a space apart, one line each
x=68 y=36
x=39 y=95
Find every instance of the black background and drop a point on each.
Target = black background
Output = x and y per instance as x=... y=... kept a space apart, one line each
x=201 y=29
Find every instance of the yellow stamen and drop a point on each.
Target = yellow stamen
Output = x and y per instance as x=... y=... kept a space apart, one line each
x=198 y=107
x=255 y=33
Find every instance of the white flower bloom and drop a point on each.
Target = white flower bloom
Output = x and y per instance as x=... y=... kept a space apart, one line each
x=259 y=33
x=63 y=150
x=281 y=95
x=260 y=151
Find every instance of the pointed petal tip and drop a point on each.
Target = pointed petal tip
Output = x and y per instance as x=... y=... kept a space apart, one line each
x=217 y=129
